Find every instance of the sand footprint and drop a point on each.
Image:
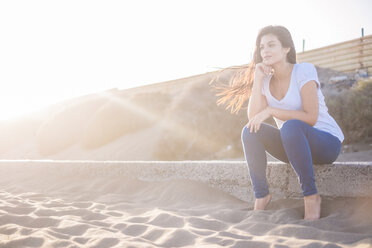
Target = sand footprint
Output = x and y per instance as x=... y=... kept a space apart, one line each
x=135 y=230
x=153 y=234
x=74 y=230
x=17 y=210
x=139 y=219
x=28 y=221
x=167 y=220
x=207 y=224
x=178 y=238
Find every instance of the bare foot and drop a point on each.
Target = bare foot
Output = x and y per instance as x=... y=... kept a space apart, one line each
x=312 y=207
x=261 y=203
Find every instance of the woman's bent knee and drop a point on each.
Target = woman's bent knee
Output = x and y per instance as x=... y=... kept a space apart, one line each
x=246 y=133
x=293 y=123
x=291 y=127
x=245 y=130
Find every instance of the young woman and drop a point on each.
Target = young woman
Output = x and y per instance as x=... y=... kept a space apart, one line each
x=290 y=92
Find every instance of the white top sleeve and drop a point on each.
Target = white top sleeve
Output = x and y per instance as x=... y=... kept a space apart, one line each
x=308 y=73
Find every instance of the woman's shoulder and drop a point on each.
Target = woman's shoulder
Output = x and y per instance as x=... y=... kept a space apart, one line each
x=305 y=72
x=305 y=66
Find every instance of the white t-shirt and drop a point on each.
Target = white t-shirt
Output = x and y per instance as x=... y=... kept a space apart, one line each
x=301 y=74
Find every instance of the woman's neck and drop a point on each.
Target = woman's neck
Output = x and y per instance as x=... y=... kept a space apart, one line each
x=282 y=70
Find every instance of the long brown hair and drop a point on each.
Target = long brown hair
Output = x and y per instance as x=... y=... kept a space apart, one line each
x=240 y=84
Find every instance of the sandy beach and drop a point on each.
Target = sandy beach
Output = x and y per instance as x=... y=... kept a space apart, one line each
x=47 y=207
x=123 y=124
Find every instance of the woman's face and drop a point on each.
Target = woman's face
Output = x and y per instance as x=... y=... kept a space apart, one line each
x=271 y=50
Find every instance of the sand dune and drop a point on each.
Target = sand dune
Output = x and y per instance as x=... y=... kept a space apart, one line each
x=82 y=208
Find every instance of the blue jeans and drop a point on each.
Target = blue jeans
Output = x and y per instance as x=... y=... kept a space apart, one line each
x=296 y=143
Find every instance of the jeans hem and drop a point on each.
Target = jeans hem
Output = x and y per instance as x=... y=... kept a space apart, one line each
x=259 y=196
x=310 y=193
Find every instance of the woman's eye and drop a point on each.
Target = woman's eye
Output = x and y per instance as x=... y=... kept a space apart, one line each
x=271 y=45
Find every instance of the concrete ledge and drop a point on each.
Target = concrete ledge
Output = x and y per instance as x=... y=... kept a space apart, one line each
x=340 y=179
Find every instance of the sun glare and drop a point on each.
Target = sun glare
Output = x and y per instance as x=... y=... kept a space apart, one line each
x=52 y=51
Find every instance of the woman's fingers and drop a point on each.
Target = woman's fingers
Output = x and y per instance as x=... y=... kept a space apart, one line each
x=264 y=68
x=267 y=70
x=258 y=127
x=253 y=126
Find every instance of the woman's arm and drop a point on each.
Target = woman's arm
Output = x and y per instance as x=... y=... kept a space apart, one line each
x=310 y=106
x=257 y=101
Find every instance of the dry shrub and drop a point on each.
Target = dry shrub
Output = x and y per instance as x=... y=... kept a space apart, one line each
x=196 y=128
x=352 y=110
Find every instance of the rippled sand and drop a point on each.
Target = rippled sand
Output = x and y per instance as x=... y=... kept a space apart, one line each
x=81 y=210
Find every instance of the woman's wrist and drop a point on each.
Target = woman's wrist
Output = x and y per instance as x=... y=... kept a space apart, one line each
x=258 y=80
x=268 y=110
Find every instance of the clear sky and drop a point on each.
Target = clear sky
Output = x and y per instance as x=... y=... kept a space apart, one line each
x=54 y=50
